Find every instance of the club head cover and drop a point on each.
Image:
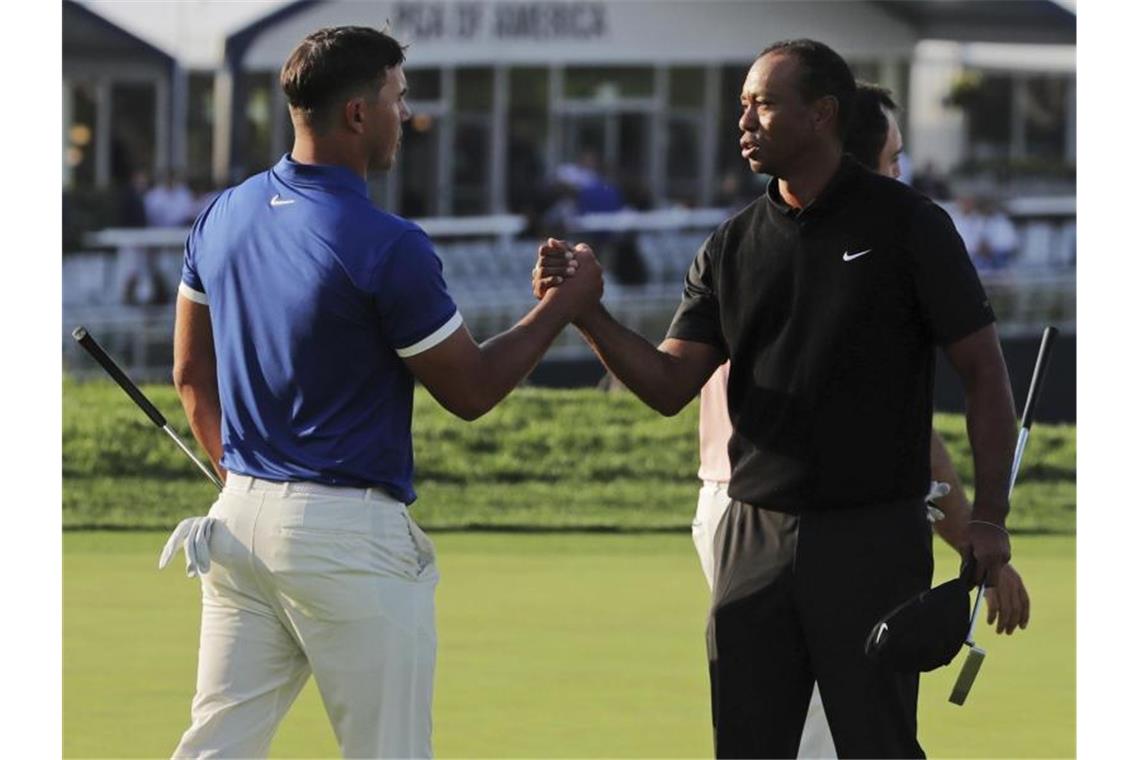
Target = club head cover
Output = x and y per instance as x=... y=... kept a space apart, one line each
x=926 y=631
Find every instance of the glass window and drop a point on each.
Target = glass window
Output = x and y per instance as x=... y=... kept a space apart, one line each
x=608 y=83
x=585 y=134
x=527 y=136
x=988 y=102
x=418 y=158
x=529 y=89
x=132 y=128
x=199 y=128
x=633 y=143
x=81 y=135
x=423 y=84
x=687 y=87
x=682 y=157
x=472 y=170
x=1045 y=111
x=474 y=90
x=258 y=123
x=470 y=159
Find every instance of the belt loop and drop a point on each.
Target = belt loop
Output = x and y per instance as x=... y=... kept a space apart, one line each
x=287 y=488
x=368 y=493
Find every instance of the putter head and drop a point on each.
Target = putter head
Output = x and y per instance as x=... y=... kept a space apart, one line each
x=974 y=657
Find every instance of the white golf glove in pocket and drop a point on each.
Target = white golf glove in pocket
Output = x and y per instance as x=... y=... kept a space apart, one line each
x=938 y=489
x=193 y=534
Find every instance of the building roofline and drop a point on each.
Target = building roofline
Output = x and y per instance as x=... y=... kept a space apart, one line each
x=952 y=20
x=77 y=7
x=239 y=42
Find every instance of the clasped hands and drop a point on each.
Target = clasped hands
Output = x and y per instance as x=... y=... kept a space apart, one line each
x=565 y=271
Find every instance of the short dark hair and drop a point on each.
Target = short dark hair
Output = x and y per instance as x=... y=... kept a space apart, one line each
x=867 y=133
x=334 y=63
x=824 y=73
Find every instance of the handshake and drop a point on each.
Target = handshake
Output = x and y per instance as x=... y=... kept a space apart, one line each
x=567 y=274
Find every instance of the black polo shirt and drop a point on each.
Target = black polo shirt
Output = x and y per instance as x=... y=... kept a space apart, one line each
x=830 y=316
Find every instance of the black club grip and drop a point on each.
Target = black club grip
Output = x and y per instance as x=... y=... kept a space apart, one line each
x=89 y=343
x=1038 y=376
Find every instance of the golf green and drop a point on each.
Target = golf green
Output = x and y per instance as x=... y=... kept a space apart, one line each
x=550 y=645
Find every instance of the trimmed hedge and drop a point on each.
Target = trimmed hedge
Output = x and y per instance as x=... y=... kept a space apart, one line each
x=544 y=459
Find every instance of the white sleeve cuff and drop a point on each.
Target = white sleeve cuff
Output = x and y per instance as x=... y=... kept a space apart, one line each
x=194 y=295
x=433 y=340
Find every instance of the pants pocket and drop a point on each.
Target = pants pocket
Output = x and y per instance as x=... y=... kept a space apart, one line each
x=425 y=549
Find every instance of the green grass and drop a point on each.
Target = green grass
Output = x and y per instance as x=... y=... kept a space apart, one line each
x=543 y=458
x=555 y=645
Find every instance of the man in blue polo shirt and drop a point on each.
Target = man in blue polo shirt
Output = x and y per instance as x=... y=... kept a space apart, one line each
x=305 y=314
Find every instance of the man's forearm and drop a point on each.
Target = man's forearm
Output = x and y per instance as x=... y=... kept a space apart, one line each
x=644 y=369
x=992 y=426
x=507 y=358
x=204 y=412
x=955 y=505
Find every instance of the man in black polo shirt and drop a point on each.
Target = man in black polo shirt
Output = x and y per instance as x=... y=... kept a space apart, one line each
x=829 y=294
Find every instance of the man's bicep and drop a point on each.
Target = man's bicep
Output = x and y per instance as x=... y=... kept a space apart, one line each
x=951 y=298
x=447 y=369
x=412 y=301
x=978 y=352
x=693 y=362
x=193 y=332
x=697 y=318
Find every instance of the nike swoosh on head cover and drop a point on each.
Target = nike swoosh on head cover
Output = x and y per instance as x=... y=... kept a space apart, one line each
x=277 y=200
x=852 y=256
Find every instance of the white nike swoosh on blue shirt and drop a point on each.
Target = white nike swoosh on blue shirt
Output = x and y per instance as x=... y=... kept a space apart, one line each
x=277 y=200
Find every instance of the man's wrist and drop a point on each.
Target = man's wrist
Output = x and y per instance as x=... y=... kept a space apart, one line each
x=590 y=317
x=558 y=305
x=987 y=525
x=990 y=510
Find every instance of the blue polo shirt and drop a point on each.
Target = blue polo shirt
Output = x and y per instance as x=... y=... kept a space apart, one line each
x=316 y=297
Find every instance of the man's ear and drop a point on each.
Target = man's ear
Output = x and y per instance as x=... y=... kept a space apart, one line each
x=825 y=112
x=354 y=115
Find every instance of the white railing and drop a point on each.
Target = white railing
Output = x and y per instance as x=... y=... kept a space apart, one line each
x=496 y=226
x=487 y=266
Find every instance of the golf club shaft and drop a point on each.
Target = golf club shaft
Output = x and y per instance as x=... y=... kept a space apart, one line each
x=974 y=614
x=1022 y=439
x=85 y=339
x=205 y=470
x=1027 y=416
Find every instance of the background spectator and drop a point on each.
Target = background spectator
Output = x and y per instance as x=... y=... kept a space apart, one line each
x=989 y=235
x=170 y=203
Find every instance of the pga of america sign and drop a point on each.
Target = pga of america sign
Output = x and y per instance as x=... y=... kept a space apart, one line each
x=515 y=21
x=585 y=32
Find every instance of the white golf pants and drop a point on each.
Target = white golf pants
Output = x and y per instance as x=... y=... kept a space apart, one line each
x=336 y=582
x=713 y=500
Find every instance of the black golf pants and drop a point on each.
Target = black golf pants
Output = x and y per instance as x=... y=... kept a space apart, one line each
x=795 y=597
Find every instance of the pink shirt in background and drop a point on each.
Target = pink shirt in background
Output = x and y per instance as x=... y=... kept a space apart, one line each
x=715 y=428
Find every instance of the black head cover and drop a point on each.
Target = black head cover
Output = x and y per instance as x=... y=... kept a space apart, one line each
x=925 y=632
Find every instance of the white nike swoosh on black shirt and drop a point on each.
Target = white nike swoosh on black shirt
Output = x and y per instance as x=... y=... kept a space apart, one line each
x=852 y=256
